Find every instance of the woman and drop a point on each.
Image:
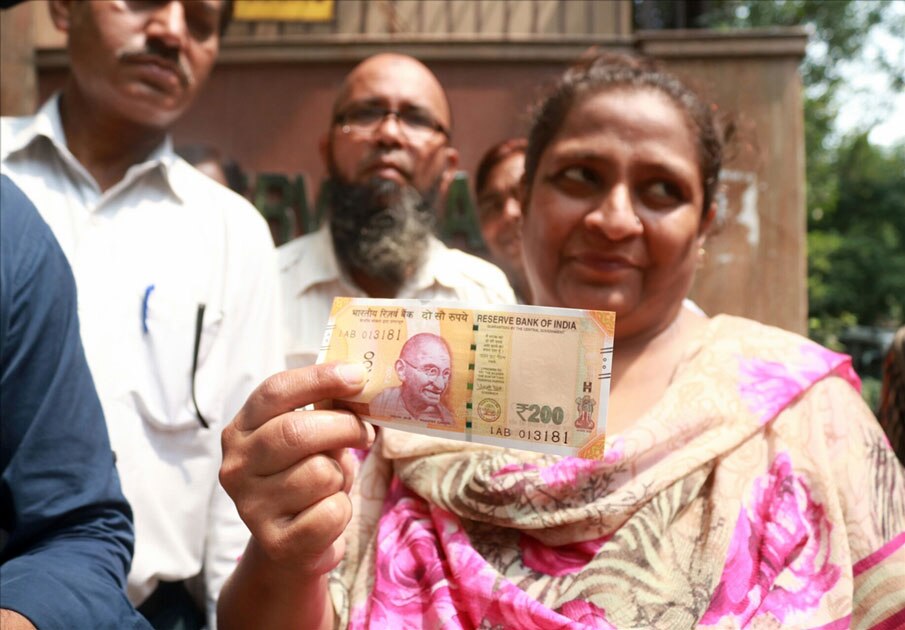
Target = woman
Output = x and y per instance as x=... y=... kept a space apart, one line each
x=497 y=189
x=745 y=483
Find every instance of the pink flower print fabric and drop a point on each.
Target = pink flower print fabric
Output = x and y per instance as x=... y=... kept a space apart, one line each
x=494 y=601
x=745 y=522
x=586 y=614
x=778 y=560
x=561 y=560
x=767 y=387
x=411 y=587
x=430 y=576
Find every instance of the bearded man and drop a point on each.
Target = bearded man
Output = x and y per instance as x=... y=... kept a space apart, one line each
x=389 y=161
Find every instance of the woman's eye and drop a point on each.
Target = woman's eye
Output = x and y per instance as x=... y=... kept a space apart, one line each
x=576 y=180
x=579 y=174
x=664 y=191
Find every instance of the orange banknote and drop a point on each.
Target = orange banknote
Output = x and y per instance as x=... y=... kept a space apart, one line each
x=523 y=377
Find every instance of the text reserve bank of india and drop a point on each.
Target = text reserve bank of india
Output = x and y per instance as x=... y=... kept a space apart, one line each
x=523 y=377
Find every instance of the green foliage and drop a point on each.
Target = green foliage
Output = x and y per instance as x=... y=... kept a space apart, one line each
x=839 y=27
x=856 y=261
x=870 y=392
x=827 y=330
x=855 y=191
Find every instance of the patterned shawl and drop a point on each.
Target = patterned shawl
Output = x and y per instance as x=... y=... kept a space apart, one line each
x=758 y=492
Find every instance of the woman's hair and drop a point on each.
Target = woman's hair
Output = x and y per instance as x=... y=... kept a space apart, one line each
x=496 y=154
x=609 y=71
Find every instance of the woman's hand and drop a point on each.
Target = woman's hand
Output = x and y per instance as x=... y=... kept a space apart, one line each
x=289 y=473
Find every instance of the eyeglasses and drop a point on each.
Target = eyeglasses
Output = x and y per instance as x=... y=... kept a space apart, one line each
x=416 y=124
x=431 y=371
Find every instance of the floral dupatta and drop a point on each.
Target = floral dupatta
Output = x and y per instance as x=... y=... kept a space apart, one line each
x=758 y=492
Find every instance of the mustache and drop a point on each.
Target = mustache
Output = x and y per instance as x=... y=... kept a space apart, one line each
x=380 y=157
x=168 y=58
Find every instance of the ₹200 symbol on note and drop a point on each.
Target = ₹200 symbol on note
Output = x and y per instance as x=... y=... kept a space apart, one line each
x=522 y=377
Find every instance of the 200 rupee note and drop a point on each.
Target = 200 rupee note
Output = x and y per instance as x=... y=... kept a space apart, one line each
x=524 y=377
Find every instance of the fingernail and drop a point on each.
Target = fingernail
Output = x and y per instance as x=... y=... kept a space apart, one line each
x=372 y=433
x=351 y=373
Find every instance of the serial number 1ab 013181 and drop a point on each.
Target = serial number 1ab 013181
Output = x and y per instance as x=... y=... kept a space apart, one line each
x=390 y=334
x=545 y=436
x=540 y=413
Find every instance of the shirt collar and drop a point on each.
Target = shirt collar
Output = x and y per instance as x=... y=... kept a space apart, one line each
x=45 y=123
x=315 y=262
x=48 y=124
x=437 y=268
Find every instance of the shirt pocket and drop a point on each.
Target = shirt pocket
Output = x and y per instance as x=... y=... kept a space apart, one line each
x=170 y=334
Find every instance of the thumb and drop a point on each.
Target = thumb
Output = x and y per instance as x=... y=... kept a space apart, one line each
x=293 y=389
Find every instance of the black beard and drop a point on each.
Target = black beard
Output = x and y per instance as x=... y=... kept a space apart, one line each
x=380 y=228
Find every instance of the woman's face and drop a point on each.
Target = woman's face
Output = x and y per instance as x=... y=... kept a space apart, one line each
x=614 y=218
x=500 y=213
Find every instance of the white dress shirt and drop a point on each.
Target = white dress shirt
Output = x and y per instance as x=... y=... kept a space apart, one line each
x=311 y=277
x=145 y=254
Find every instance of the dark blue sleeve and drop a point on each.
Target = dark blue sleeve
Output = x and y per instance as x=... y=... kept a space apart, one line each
x=65 y=528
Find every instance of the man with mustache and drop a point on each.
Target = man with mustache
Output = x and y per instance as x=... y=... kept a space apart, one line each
x=423 y=367
x=176 y=279
x=389 y=162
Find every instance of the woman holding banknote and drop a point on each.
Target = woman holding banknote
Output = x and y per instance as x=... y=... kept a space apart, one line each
x=745 y=484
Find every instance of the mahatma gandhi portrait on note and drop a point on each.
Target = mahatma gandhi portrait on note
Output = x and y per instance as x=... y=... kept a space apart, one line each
x=423 y=368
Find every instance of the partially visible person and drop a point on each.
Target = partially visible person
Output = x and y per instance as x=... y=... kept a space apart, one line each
x=892 y=395
x=389 y=161
x=423 y=368
x=65 y=528
x=498 y=192
x=178 y=296
x=744 y=482
x=211 y=161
